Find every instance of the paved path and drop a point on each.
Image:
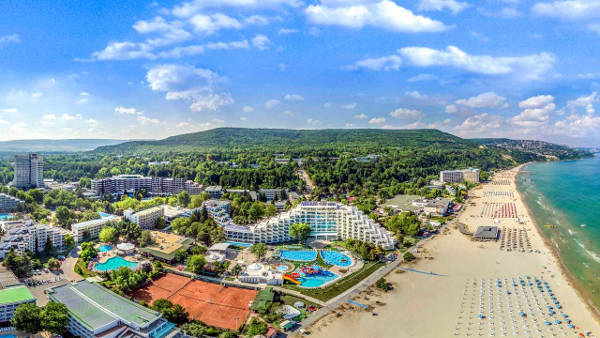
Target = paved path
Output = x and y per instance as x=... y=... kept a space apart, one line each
x=68 y=266
x=354 y=291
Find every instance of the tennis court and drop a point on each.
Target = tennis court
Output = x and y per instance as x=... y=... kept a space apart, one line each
x=213 y=304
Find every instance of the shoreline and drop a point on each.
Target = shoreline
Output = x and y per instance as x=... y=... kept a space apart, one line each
x=573 y=282
x=420 y=296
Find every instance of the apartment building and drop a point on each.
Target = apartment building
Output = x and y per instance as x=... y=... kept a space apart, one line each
x=146 y=218
x=91 y=229
x=271 y=194
x=11 y=297
x=159 y=186
x=9 y=203
x=215 y=191
x=24 y=235
x=28 y=171
x=459 y=176
x=95 y=311
x=328 y=220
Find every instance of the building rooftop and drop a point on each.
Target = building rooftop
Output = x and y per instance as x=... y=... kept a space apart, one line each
x=97 y=306
x=166 y=244
x=486 y=232
x=15 y=294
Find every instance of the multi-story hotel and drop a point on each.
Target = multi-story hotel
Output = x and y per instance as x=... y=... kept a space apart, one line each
x=146 y=218
x=95 y=311
x=459 y=176
x=11 y=296
x=159 y=186
x=328 y=220
x=9 y=203
x=91 y=229
x=24 y=235
x=28 y=171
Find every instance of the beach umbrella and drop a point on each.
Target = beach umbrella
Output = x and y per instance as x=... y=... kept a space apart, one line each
x=571 y=326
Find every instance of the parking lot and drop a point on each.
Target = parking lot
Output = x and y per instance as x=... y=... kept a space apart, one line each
x=41 y=280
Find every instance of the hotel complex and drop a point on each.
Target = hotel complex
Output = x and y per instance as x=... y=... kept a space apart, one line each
x=459 y=176
x=28 y=171
x=156 y=186
x=9 y=203
x=90 y=230
x=24 y=235
x=146 y=218
x=95 y=311
x=328 y=220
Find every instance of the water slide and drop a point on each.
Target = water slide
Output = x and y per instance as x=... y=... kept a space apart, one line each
x=291 y=279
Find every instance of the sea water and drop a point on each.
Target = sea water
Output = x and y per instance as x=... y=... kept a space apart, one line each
x=564 y=199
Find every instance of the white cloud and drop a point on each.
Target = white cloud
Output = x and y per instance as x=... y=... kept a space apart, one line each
x=145 y=120
x=484 y=100
x=536 y=111
x=479 y=125
x=247 y=109
x=190 y=50
x=361 y=116
x=288 y=113
x=49 y=117
x=377 y=120
x=577 y=125
x=422 y=77
x=261 y=42
x=92 y=123
x=256 y=20
x=185 y=82
x=569 y=9
x=287 y=31
x=36 y=95
x=587 y=102
x=243 y=118
x=293 y=97
x=350 y=106
x=10 y=38
x=11 y=110
x=189 y=8
x=272 y=103
x=405 y=113
x=313 y=122
x=211 y=23
x=69 y=117
x=527 y=67
x=439 y=5
x=327 y=105
x=386 y=63
x=384 y=14
x=127 y=111
x=181 y=125
x=416 y=95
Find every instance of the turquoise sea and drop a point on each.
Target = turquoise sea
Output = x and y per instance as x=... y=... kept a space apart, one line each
x=564 y=199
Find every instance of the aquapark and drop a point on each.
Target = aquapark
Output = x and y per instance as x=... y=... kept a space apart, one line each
x=310 y=276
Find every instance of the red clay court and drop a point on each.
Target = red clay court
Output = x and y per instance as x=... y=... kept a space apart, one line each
x=213 y=304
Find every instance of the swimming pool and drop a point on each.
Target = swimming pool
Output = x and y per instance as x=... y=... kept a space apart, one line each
x=104 y=215
x=336 y=258
x=244 y=245
x=8 y=336
x=316 y=281
x=115 y=263
x=5 y=216
x=299 y=255
x=283 y=268
x=105 y=248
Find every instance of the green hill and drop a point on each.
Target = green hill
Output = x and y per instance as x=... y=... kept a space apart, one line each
x=241 y=139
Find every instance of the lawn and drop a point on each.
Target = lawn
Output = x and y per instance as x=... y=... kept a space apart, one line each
x=340 y=285
x=82 y=270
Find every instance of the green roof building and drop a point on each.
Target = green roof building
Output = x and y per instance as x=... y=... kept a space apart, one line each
x=10 y=298
x=96 y=311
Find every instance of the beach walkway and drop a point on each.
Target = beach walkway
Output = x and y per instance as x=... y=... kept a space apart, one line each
x=423 y=272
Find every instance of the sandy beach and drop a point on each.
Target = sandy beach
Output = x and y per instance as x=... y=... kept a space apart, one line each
x=474 y=279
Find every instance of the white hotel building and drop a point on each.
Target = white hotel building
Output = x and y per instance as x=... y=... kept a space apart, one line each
x=156 y=186
x=328 y=220
x=91 y=229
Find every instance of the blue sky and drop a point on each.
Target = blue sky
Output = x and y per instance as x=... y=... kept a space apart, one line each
x=150 y=69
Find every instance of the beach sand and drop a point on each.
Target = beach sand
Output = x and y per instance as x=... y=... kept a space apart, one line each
x=423 y=305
